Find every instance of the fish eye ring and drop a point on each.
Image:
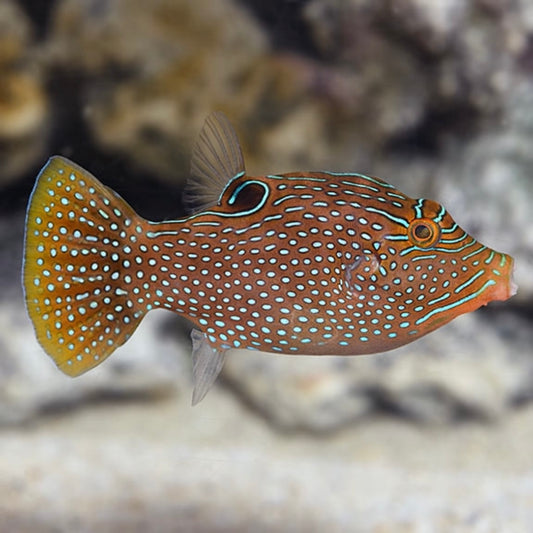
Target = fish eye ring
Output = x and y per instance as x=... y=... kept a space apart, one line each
x=423 y=232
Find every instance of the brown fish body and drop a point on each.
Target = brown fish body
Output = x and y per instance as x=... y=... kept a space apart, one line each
x=301 y=263
x=333 y=267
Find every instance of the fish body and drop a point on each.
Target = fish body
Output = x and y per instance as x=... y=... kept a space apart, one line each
x=317 y=263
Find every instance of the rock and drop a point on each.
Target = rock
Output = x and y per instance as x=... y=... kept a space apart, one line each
x=377 y=89
x=299 y=393
x=465 y=54
x=432 y=26
x=216 y=468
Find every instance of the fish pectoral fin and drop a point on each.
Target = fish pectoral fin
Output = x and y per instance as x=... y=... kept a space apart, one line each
x=207 y=362
x=358 y=273
x=216 y=160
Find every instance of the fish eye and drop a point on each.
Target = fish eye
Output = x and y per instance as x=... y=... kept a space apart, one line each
x=424 y=232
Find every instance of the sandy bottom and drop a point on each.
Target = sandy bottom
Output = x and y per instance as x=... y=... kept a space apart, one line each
x=164 y=466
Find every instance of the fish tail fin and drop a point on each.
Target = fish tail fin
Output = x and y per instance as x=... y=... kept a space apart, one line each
x=80 y=240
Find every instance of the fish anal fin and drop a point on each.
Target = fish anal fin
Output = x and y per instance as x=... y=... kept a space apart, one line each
x=216 y=160
x=207 y=362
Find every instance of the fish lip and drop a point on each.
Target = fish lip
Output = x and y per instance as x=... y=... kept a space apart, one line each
x=513 y=287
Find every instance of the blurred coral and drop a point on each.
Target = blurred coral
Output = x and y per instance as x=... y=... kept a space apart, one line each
x=23 y=102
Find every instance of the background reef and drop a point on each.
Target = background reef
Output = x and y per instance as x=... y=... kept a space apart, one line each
x=435 y=97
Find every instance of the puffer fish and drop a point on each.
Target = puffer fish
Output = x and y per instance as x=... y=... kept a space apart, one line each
x=315 y=263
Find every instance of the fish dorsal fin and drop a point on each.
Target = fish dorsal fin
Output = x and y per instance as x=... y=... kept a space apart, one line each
x=207 y=362
x=216 y=160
